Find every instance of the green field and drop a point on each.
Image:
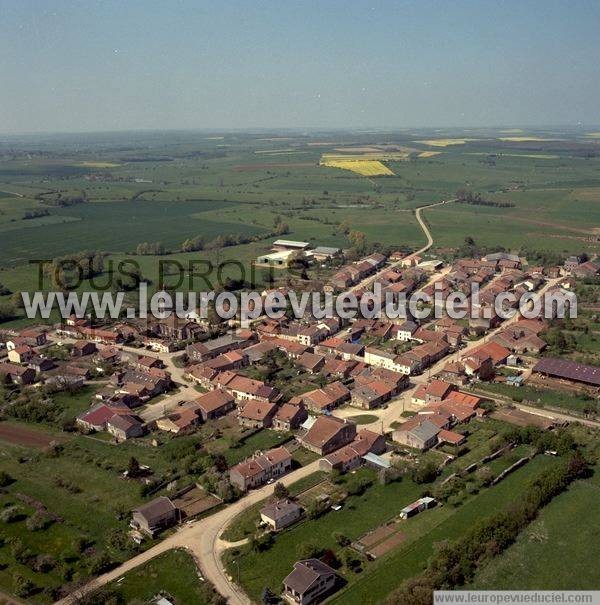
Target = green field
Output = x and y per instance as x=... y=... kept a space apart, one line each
x=153 y=188
x=556 y=551
x=172 y=574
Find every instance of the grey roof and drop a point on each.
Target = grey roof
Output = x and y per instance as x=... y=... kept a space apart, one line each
x=123 y=422
x=325 y=250
x=408 y=326
x=425 y=431
x=571 y=370
x=279 y=509
x=377 y=460
x=156 y=508
x=305 y=574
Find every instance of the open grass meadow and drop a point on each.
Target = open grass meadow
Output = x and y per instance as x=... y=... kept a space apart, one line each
x=173 y=574
x=557 y=551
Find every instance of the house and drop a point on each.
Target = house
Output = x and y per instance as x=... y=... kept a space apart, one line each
x=259 y=469
x=311 y=362
x=109 y=355
x=309 y=582
x=323 y=253
x=418 y=432
x=494 y=350
x=124 y=426
x=41 y=364
x=21 y=354
x=280 y=514
x=337 y=368
x=405 y=331
x=404 y=364
x=215 y=403
x=351 y=456
x=145 y=362
x=289 y=417
x=97 y=417
x=35 y=336
x=81 y=348
x=327 y=398
x=99 y=335
x=328 y=434
x=587 y=269
x=201 y=351
x=312 y=335
x=257 y=414
x=174 y=328
x=372 y=394
x=232 y=360
x=437 y=390
x=154 y=516
x=15 y=374
x=182 y=420
x=243 y=388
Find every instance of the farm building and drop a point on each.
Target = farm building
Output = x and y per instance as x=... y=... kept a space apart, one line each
x=569 y=370
x=286 y=244
x=276 y=259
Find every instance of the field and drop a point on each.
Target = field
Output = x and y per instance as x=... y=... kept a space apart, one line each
x=555 y=551
x=362 y=167
x=173 y=573
x=156 y=188
x=22 y=435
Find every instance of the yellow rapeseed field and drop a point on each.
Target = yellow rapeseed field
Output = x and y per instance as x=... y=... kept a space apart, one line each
x=444 y=142
x=361 y=167
x=98 y=164
x=428 y=154
x=524 y=139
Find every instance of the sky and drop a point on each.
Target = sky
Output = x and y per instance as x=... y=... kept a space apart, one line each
x=69 y=66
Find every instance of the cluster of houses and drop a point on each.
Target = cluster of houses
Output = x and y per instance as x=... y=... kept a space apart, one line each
x=443 y=406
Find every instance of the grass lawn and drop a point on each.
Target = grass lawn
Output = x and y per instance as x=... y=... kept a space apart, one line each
x=556 y=551
x=363 y=418
x=262 y=440
x=531 y=395
x=173 y=574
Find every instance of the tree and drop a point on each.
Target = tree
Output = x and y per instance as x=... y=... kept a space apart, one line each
x=425 y=472
x=358 y=240
x=268 y=596
x=133 y=467
x=308 y=550
x=280 y=491
x=5 y=479
x=23 y=587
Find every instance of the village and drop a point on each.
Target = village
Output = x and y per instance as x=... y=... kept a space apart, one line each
x=336 y=395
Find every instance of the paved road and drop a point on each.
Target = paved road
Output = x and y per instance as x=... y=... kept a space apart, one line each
x=202 y=539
